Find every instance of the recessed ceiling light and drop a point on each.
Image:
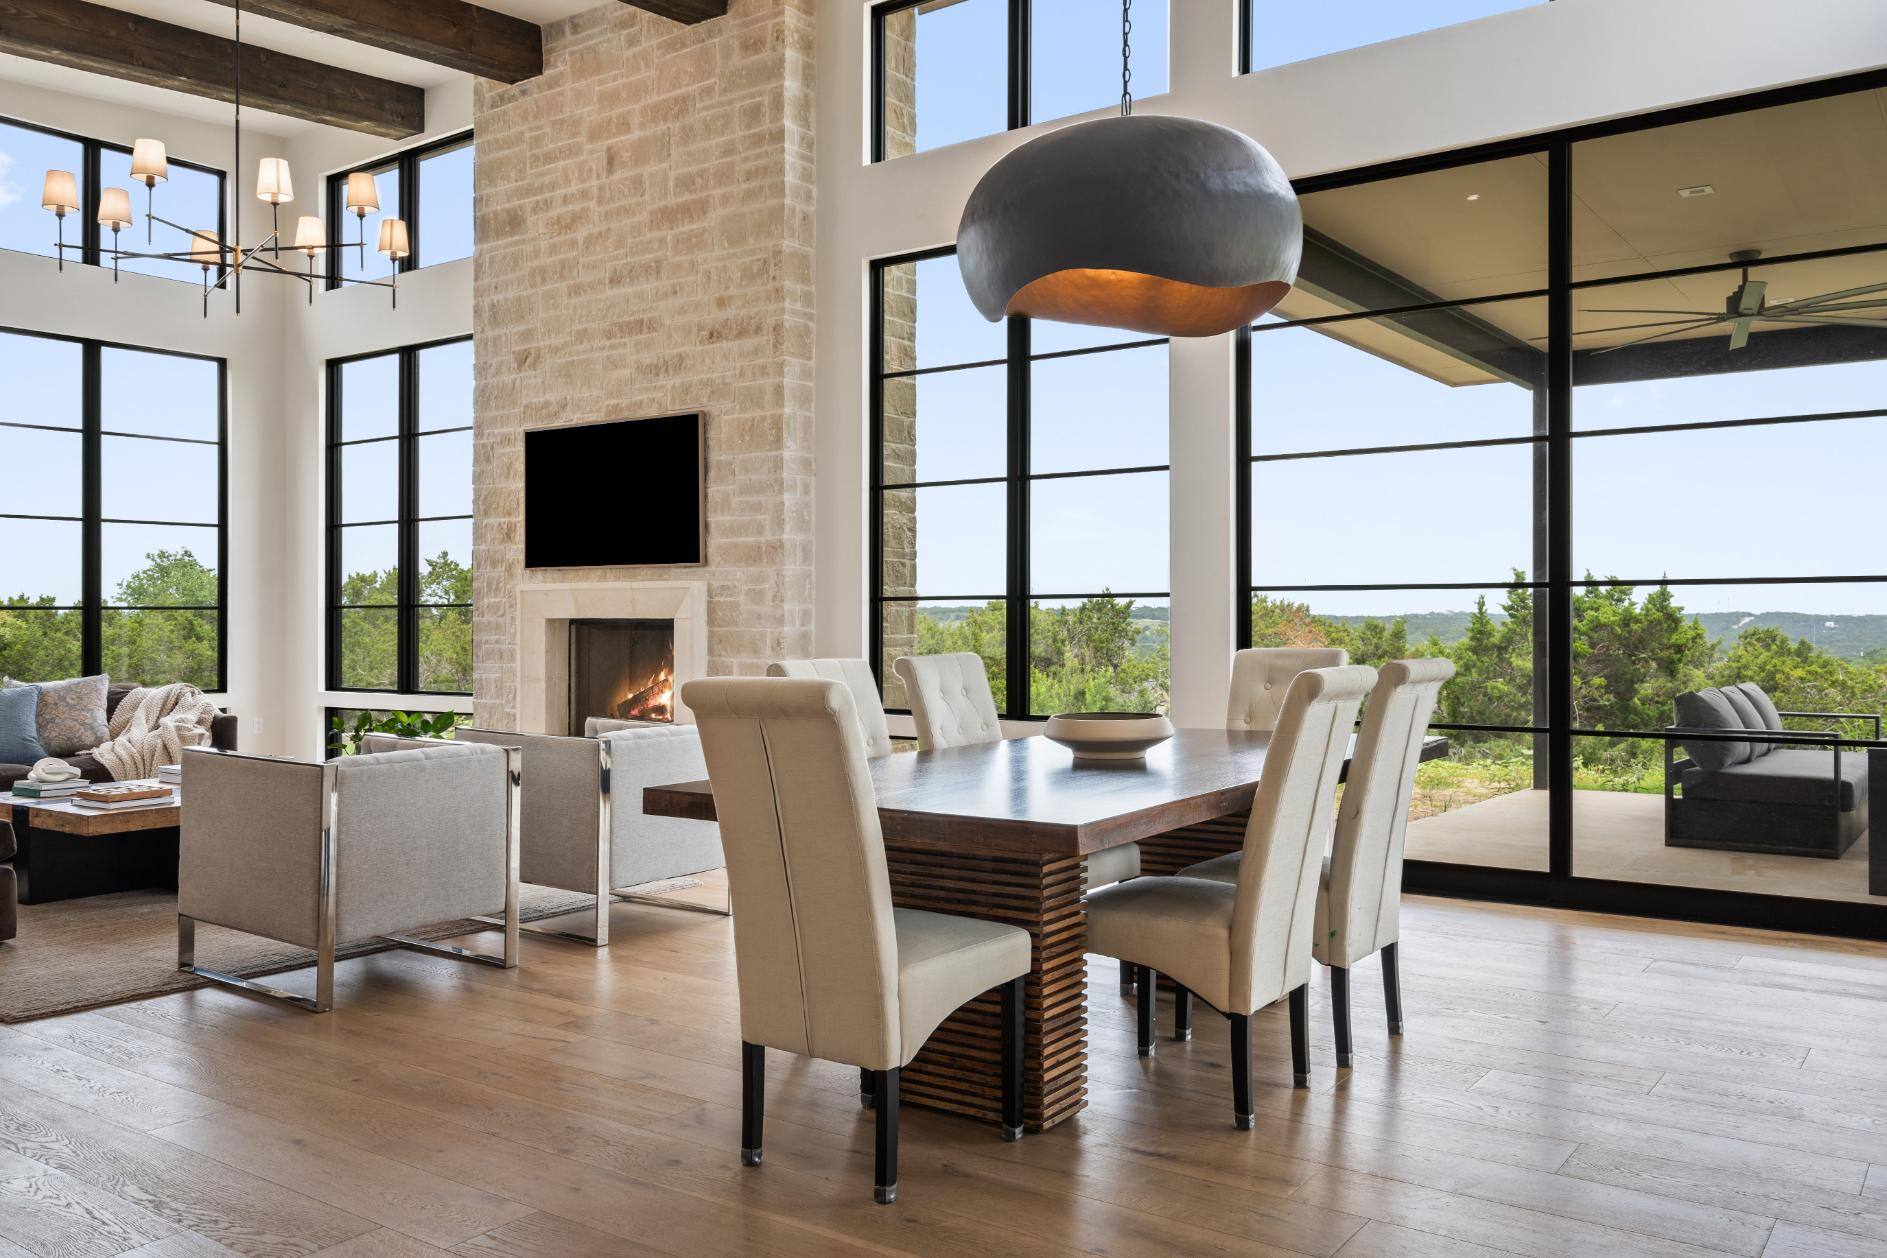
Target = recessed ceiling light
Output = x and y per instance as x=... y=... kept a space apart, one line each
x=1701 y=190
x=1474 y=196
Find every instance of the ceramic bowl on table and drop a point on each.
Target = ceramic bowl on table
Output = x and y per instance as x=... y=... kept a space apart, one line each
x=1108 y=736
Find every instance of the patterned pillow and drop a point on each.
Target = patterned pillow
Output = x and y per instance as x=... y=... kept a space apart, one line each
x=71 y=713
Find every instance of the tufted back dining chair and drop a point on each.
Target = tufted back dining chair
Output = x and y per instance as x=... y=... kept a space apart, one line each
x=951 y=701
x=826 y=966
x=856 y=676
x=1359 y=911
x=1240 y=945
x=1262 y=675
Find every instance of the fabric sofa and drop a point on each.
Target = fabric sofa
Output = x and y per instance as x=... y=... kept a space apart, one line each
x=222 y=737
x=9 y=887
x=1787 y=792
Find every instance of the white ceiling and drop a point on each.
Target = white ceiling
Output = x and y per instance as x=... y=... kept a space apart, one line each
x=219 y=19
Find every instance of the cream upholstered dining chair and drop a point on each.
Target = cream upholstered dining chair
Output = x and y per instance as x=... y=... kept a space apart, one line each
x=583 y=828
x=320 y=855
x=1239 y=946
x=856 y=676
x=1359 y=895
x=826 y=966
x=1261 y=675
x=952 y=706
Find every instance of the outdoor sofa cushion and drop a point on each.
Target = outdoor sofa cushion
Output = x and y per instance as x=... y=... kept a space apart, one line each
x=1786 y=776
x=1747 y=717
x=1709 y=709
x=1765 y=706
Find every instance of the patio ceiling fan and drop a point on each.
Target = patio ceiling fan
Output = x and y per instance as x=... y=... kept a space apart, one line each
x=1747 y=303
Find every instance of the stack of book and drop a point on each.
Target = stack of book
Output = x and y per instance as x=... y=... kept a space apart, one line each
x=170 y=773
x=25 y=789
x=123 y=797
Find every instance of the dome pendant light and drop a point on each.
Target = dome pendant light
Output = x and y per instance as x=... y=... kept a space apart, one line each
x=1169 y=226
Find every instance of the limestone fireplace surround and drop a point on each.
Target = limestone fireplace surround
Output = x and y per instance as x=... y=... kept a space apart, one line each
x=545 y=610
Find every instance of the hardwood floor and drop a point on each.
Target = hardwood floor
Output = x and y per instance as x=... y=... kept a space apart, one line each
x=1569 y=1084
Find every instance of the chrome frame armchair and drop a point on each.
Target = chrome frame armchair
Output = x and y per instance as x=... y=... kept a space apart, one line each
x=557 y=851
x=219 y=795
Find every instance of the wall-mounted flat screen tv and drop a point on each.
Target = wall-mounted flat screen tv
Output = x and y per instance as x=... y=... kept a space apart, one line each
x=618 y=494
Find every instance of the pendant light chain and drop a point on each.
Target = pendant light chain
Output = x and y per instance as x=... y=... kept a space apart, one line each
x=1126 y=56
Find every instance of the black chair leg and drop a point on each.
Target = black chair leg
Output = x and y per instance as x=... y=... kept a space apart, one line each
x=1012 y=1045
x=865 y=1087
x=885 y=1177
x=1241 y=1070
x=1127 y=978
x=753 y=1095
x=1147 y=1001
x=1182 y=1015
x=1300 y=1036
x=1340 y=1014
x=1392 y=988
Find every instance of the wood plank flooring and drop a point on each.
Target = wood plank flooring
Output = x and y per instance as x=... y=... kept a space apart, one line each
x=1570 y=1084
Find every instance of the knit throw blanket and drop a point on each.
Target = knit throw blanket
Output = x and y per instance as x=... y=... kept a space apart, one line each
x=152 y=726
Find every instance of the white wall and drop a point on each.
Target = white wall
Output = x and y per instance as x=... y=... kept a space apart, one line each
x=276 y=349
x=1534 y=69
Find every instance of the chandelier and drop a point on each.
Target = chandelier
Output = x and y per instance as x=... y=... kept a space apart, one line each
x=225 y=262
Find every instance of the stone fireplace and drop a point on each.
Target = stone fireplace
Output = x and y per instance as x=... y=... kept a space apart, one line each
x=681 y=158
x=619 y=649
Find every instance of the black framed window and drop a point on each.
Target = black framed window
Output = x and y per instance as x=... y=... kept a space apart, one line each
x=113 y=524
x=1019 y=499
x=430 y=187
x=1606 y=320
x=400 y=520
x=952 y=70
x=1277 y=32
x=193 y=196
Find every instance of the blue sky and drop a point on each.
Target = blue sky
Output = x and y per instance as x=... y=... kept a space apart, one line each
x=1460 y=516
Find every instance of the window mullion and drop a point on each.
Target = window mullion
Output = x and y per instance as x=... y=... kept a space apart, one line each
x=91 y=619
x=407 y=636
x=1018 y=63
x=1016 y=617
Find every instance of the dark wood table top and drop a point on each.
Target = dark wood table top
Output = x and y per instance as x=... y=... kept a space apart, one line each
x=1026 y=796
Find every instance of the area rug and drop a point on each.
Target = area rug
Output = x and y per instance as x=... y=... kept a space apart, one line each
x=80 y=954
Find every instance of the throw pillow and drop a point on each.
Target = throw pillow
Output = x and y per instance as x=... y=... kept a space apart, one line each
x=19 y=726
x=1765 y=706
x=1747 y=717
x=1708 y=709
x=71 y=713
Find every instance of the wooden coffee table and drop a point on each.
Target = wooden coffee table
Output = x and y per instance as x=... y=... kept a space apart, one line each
x=68 y=852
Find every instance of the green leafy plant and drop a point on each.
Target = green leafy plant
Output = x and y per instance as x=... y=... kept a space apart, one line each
x=345 y=737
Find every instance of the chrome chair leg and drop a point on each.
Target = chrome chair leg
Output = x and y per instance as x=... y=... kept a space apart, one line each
x=320 y=1002
x=667 y=902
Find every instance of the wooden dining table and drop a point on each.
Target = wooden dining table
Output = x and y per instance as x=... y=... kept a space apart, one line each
x=998 y=831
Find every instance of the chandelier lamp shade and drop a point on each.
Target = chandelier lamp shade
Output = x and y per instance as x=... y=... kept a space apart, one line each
x=1168 y=226
x=223 y=263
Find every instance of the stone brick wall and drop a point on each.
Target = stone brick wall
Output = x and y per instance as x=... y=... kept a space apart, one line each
x=899 y=314
x=645 y=246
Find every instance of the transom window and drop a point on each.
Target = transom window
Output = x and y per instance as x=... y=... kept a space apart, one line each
x=192 y=197
x=112 y=522
x=1278 y=32
x=1020 y=498
x=400 y=520
x=430 y=187
x=953 y=70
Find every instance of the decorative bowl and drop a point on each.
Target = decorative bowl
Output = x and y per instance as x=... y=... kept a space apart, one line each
x=1108 y=736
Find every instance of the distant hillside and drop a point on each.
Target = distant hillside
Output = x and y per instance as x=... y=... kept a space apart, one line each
x=1850 y=637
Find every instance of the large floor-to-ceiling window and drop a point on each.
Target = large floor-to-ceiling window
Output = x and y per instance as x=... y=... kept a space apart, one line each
x=112 y=520
x=1599 y=417
x=1020 y=498
x=400 y=520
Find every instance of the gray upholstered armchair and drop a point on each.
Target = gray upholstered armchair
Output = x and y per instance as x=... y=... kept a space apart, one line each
x=319 y=855
x=583 y=828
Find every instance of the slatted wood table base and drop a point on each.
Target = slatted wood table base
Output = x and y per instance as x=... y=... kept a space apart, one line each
x=1174 y=850
x=959 y=1068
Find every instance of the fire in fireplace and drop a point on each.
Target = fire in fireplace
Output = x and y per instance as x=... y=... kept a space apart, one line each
x=623 y=669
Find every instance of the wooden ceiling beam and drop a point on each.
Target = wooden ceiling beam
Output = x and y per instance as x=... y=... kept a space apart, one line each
x=126 y=46
x=687 y=12
x=448 y=33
